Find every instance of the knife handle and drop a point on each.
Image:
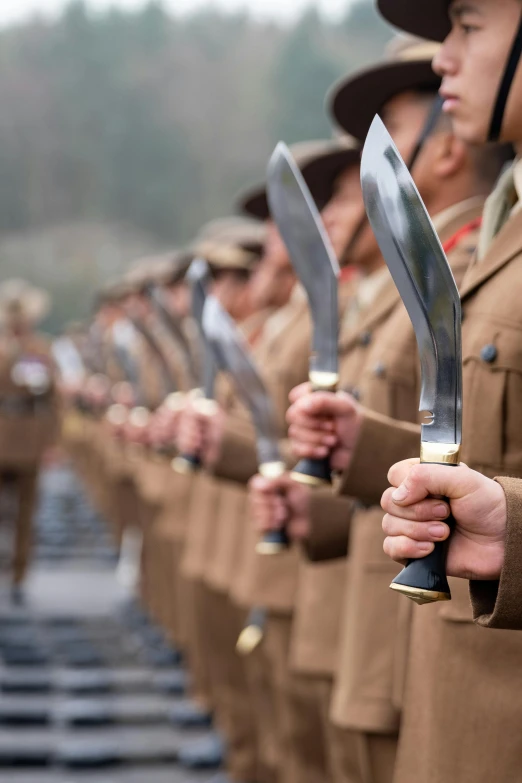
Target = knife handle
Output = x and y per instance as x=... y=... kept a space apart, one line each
x=313 y=472
x=274 y=542
x=317 y=472
x=185 y=464
x=424 y=580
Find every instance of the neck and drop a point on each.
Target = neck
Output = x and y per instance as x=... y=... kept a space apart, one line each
x=371 y=265
x=450 y=197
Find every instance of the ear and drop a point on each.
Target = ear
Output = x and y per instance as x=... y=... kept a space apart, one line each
x=449 y=156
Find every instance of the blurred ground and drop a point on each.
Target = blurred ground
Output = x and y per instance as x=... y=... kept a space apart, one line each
x=86 y=682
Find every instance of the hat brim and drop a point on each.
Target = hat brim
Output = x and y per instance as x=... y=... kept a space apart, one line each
x=319 y=174
x=355 y=101
x=34 y=304
x=424 y=18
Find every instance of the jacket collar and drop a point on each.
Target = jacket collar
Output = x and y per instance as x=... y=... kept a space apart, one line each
x=506 y=245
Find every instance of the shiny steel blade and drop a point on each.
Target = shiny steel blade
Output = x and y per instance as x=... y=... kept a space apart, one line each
x=299 y=223
x=232 y=354
x=198 y=276
x=416 y=260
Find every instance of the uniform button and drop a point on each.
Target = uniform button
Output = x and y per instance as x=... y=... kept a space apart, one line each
x=489 y=353
x=356 y=394
x=365 y=338
x=379 y=370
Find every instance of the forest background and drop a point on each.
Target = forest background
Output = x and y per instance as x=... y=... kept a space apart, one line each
x=122 y=132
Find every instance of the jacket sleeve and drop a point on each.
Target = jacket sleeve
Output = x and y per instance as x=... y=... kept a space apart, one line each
x=330 y=520
x=498 y=604
x=382 y=442
x=238 y=457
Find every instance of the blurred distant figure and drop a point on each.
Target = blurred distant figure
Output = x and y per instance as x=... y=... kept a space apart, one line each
x=28 y=411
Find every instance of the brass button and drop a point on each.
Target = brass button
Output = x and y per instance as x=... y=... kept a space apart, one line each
x=489 y=353
x=379 y=370
x=365 y=338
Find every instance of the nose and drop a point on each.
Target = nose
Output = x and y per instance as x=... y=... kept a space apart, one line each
x=444 y=63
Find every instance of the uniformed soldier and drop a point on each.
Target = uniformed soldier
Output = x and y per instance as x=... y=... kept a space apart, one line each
x=379 y=369
x=464 y=693
x=29 y=410
x=282 y=355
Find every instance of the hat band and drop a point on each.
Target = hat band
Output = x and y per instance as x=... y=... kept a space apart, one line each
x=505 y=87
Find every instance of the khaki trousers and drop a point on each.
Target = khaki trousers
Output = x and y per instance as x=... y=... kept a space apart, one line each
x=301 y=707
x=229 y=684
x=358 y=757
x=24 y=485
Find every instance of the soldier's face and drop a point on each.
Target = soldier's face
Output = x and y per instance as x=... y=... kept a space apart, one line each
x=405 y=116
x=178 y=298
x=233 y=293
x=472 y=61
x=343 y=214
x=274 y=279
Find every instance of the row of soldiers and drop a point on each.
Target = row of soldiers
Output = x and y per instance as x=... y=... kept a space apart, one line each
x=312 y=668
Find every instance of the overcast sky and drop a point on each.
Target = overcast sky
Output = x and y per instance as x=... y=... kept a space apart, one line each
x=14 y=10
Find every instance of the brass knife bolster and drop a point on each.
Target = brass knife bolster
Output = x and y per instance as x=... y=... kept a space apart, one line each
x=249 y=638
x=440 y=453
x=324 y=381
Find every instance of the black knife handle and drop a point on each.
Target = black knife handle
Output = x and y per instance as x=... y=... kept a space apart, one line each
x=274 y=542
x=425 y=580
x=187 y=463
x=313 y=472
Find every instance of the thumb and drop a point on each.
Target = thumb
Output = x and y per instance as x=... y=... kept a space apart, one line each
x=431 y=480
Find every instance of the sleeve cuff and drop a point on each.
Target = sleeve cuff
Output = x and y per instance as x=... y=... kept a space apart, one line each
x=238 y=455
x=330 y=519
x=382 y=442
x=498 y=604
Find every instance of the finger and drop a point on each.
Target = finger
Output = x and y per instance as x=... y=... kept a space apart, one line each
x=423 y=511
x=300 y=391
x=306 y=451
x=401 y=548
x=297 y=415
x=325 y=404
x=312 y=437
x=418 y=531
x=430 y=479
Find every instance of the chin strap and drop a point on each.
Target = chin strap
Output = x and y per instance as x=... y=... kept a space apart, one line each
x=429 y=126
x=505 y=86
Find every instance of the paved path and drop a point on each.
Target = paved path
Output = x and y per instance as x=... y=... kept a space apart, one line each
x=82 y=674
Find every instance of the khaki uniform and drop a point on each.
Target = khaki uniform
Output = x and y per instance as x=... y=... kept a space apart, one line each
x=282 y=355
x=379 y=365
x=28 y=425
x=464 y=693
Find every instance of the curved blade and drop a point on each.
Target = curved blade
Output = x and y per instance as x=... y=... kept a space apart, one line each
x=414 y=255
x=232 y=354
x=299 y=223
x=198 y=276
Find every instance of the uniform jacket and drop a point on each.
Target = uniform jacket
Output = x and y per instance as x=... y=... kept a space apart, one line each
x=282 y=356
x=470 y=676
x=379 y=365
x=28 y=419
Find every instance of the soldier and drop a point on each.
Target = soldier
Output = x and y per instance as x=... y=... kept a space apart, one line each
x=464 y=692
x=282 y=353
x=29 y=414
x=379 y=369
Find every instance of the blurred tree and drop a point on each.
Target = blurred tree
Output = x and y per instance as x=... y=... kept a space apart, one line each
x=140 y=126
